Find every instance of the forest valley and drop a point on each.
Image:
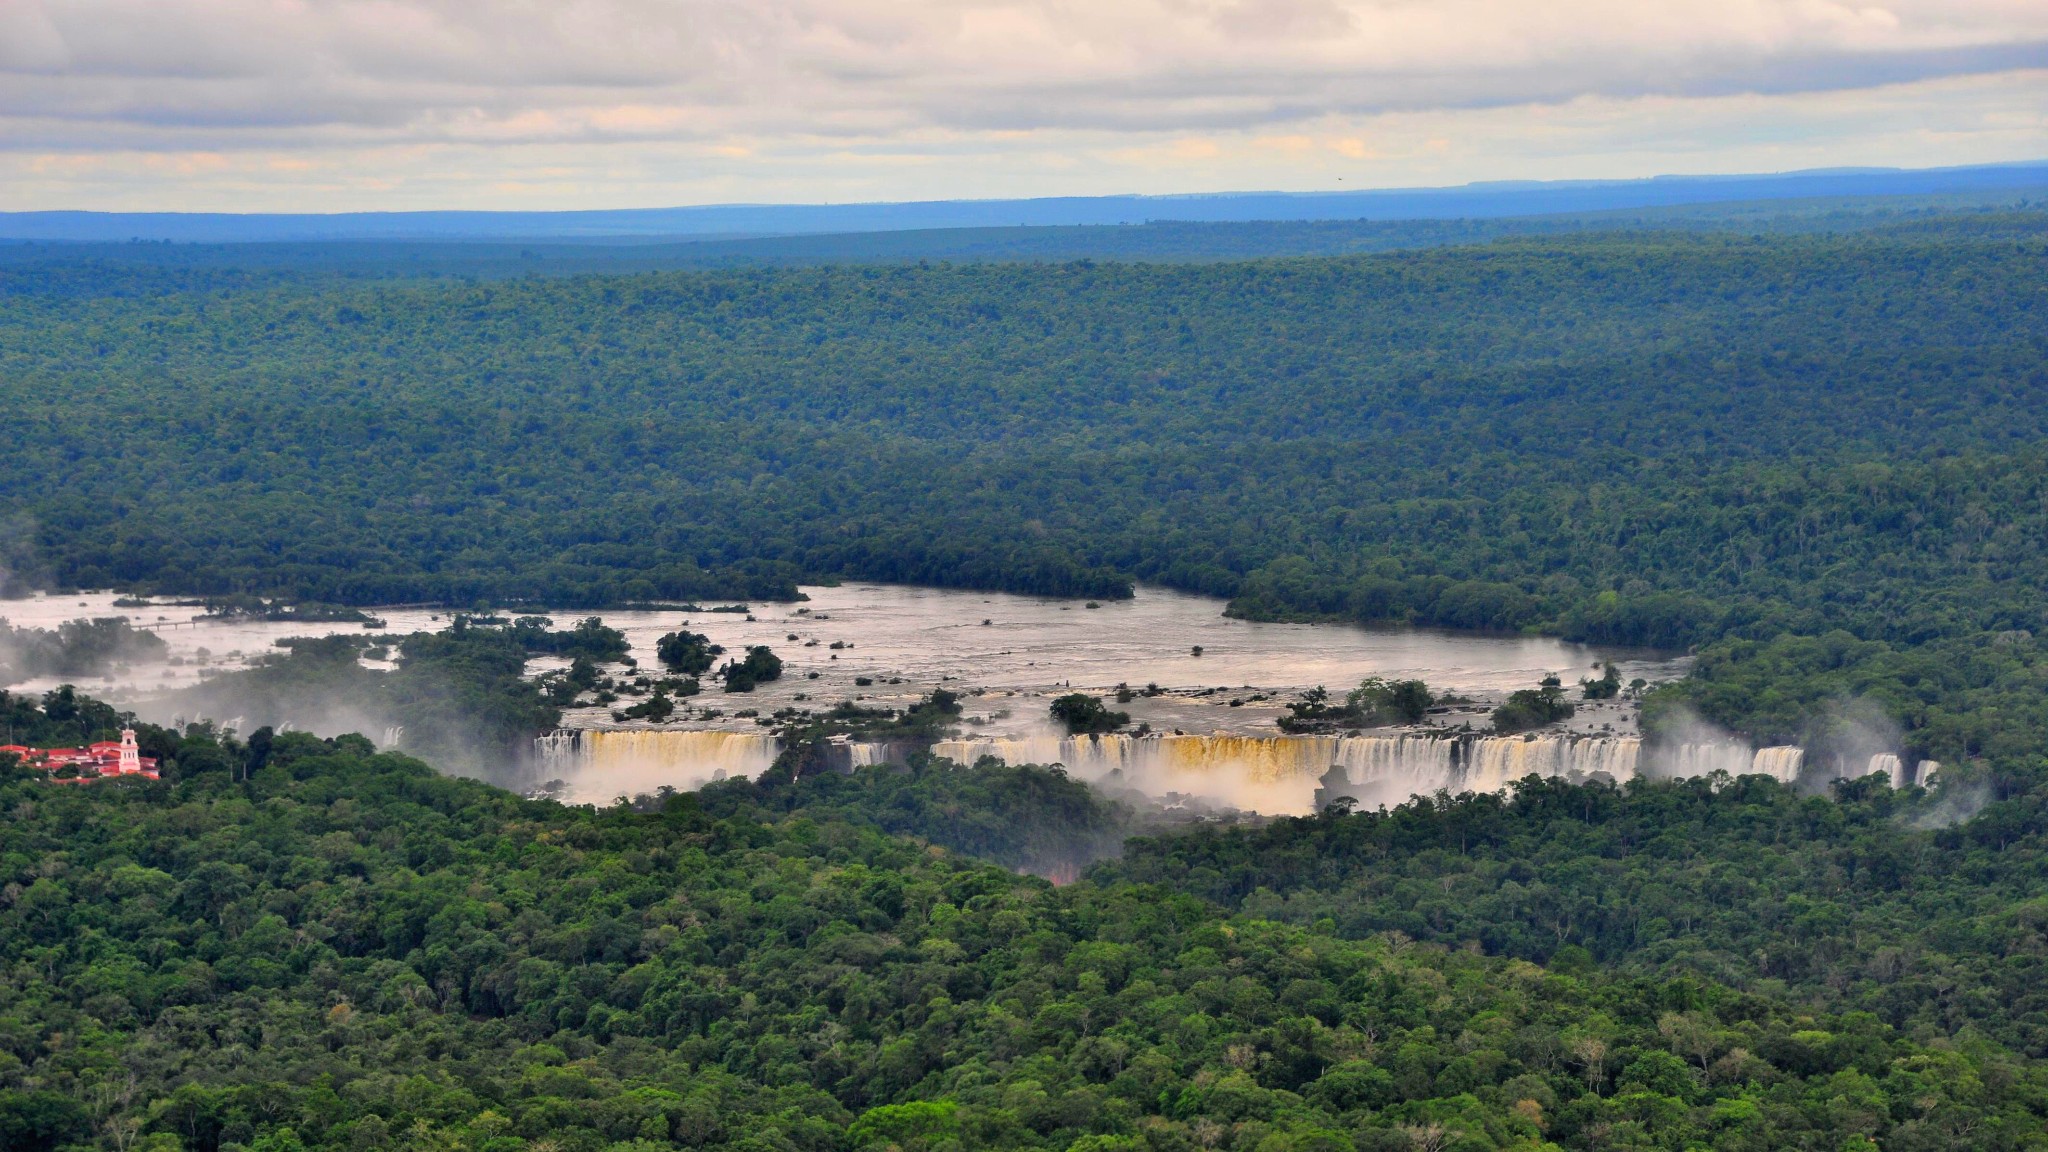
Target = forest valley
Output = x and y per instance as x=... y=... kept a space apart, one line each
x=1814 y=457
x=1811 y=457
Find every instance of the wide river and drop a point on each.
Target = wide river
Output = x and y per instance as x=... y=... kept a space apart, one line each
x=994 y=642
x=1009 y=655
x=1018 y=651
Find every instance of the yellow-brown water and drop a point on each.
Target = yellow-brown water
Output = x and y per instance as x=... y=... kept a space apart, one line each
x=599 y=765
x=1272 y=774
x=1282 y=773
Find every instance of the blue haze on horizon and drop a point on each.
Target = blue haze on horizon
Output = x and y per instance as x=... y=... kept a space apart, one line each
x=1471 y=201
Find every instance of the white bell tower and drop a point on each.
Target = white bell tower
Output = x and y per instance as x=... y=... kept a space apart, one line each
x=131 y=754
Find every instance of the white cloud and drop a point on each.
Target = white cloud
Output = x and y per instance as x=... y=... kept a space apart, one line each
x=735 y=94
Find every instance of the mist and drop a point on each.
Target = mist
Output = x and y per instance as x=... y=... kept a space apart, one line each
x=433 y=710
x=75 y=650
x=1851 y=737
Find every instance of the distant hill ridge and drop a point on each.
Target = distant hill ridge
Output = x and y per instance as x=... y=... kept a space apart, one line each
x=1471 y=201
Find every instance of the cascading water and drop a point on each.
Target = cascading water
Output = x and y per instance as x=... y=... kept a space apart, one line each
x=1705 y=759
x=1783 y=762
x=1272 y=774
x=598 y=765
x=1389 y=769
x=1281 y=774
x=1493 y=762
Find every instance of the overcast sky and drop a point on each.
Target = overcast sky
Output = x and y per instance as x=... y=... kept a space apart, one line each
x=319 y=105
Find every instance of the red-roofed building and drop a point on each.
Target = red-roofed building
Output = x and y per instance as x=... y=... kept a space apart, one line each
x=92 y=762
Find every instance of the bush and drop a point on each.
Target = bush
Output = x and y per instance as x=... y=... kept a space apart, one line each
x=760 y=666
x=1084 y=714
x=1607 y=687
x=687 y=653
x=1374 y=703
x=1533 y=708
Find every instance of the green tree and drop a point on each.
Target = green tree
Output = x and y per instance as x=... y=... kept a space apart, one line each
x=1083 y=714
x=687 y=653
x=760 y=666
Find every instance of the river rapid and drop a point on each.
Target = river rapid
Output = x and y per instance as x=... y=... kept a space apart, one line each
x=1207 y=687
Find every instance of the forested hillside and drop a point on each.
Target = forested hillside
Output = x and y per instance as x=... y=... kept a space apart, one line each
x=1870 y=900
x=305 y=945
x=1819 y=453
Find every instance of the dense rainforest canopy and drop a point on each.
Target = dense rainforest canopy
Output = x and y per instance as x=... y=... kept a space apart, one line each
x=1871 y=899
x=1814 y=453
x=298 y=943
x=1817 y=454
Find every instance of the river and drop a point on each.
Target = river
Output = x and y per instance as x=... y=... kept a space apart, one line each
x=1220 y=684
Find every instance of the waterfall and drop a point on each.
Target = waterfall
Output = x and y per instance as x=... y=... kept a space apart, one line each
x=1271 y=774
x=1281 y=773
x=1189 y=759
x=1890 y=765
x=1390 y=769
x=1076 y=752
x=556 y=747
x=1705 y=759
x=599 y=765
x=1781 y=762
x=1493 y=762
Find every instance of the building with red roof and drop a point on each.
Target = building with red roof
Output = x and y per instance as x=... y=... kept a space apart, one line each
x=93 y=762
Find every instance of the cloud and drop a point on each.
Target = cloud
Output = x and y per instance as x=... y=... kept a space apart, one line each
x=482 y=69
x=886 y=76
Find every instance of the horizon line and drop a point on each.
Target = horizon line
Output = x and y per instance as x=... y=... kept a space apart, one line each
x=1474 y=186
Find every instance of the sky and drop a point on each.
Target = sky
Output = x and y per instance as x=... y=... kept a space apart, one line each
x=347 y=105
